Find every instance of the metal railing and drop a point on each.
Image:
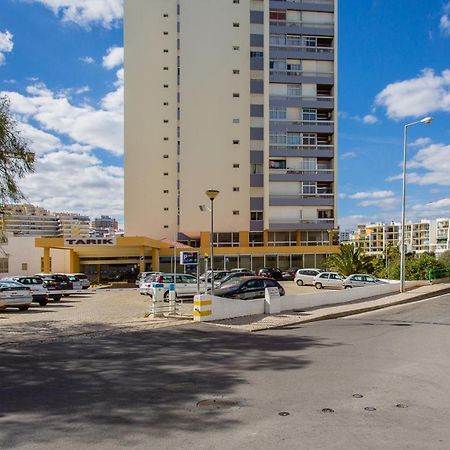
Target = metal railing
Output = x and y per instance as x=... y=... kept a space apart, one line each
x=317 y=98
x=292 y=24
x=300 y=73
x=317 y=2
x=300 y=171
x=304 y=221
x=302 y=196
x=304 y=122
x=436 y=274
x=306 y=48
x=302 y=147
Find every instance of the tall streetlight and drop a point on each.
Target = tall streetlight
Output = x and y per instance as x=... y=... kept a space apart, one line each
x=402 y=242
x=212 y=194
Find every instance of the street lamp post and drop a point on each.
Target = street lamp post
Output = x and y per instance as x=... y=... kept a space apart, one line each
x=402 y=241
x=212 y=194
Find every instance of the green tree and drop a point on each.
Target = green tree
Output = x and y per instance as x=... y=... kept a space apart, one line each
x=418 y=266
x=350 y=259
x=15 y=158
x=444 y=259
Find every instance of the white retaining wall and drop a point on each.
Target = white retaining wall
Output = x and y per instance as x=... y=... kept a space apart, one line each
x=208 y=307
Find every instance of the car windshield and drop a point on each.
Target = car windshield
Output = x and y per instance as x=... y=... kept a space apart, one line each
x=231 y=283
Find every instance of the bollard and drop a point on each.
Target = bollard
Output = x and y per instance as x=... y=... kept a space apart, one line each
x=156 y=300
x=172 y=298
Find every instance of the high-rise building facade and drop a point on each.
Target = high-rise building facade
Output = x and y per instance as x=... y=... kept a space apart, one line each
x=238 y=96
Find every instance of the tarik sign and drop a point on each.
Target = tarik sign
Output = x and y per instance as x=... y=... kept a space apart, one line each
x=86 y=242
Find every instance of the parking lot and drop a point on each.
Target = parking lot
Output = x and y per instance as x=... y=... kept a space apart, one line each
x=92 y=312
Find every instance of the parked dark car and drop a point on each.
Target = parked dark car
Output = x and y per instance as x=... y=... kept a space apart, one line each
x=270 y=272
x=55 y=282
x=232 y=276
x=289 y=275
x=247 y=288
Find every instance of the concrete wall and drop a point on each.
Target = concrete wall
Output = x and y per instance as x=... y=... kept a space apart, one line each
x=208 y=308
x=21 y=250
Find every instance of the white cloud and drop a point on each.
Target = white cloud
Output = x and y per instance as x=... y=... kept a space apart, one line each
x=432 y=210
x=420 y=142
x=385 y=203
x=39 y=141
x=418 y=96
x=6 y=45
x=113 y=58
x=66 y=181
x=85 y=13
x=348 y=155
x=372 y=195
x=98 y=128
x=87 y=59
x=369 y=119
x=444 y=24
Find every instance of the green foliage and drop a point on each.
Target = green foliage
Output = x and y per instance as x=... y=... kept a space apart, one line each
x=15 y=158
x=350 y=259
x=417 y=267
x=444 y=259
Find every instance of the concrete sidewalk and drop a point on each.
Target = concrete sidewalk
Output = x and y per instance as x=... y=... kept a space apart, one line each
x=264 y=322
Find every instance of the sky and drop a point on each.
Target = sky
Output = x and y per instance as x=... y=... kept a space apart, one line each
x=61 y=64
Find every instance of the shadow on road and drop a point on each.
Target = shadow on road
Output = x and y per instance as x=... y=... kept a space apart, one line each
x=133 y=381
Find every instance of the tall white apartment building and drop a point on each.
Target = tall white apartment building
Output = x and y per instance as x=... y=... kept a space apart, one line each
x=238 y=96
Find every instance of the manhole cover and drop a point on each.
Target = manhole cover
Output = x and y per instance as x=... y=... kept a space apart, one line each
x=327 y=410
x=217 y=404
x=284 y=413
x=401 y=405
x=357 y=395
x=370 y=408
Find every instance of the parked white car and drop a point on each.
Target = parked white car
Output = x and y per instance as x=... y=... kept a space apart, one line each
x=77 y=285
x=36 y=286
x=186 y=285
x=306 y=276
x=328 y=280
x=15 y=295
x=361 y=280
x=85 y=283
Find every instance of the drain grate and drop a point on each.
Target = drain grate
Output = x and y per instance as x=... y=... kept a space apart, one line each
x=327 y=410
x=370 y=408
x=284 y=413
x=214 y=404
x=357 y=395
x=401 y=405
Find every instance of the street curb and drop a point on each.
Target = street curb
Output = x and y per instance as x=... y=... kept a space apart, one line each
x=361 y=310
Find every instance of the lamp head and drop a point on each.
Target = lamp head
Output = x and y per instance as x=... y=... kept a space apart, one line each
x=427 y=120
x=212 y=194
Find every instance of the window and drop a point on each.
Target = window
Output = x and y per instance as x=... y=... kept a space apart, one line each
x=235 y=95
x=4 y=265
x=278 y=113
x=236 y=189
x=256 y=215
x=235 y=142
x=310 y=42
x=235 y=166
x=309 y=163
x=294 y=90
x=277 y=139
x=325 y=214
x=256 y=169
x=309 y=187
x=293 y=138
x=309 y=139
x=277 y=163
x=236 y=24
x=254 y=54
x=277 y=64
x=277 y=14
x=294 y=40
x=24 y=266
x=235 y=213
x=278 y=39
x=309 y=114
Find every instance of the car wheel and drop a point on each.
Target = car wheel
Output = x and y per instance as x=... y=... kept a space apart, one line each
x=347 y=287
x=318 y=285
x=57 y=299
x=66 y=295
x=43 y=302
x=23 y=307
x=299 y=282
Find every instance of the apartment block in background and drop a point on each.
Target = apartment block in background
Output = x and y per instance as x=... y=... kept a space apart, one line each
x=238 y=96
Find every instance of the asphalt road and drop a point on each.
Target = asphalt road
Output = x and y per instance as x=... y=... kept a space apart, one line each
x=140 y=389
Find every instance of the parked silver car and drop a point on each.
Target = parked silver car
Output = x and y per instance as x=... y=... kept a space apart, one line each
x=306 y=276
x=36 y=286
x=186 y=285
x=328 y=280
x=361 y=280
x=15 y=295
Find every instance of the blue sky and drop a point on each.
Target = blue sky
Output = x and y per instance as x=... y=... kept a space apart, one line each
x=61 y=62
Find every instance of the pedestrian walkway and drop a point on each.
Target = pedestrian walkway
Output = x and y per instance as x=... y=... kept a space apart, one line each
x=264 y=322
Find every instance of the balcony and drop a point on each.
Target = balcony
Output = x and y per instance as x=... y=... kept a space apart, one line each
x=302 y=200
x=325 y=175
x=302 y=27
x=304 y=5
x=319 y=150
x=302 y=52
x=308 y=126
x=301 y=76
x=305 y=101
x=301 y=224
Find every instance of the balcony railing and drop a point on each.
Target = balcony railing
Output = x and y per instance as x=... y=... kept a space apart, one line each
x=301 y=171
x=303 y=146
x=308 y=98
x=300 y=73
x=304 y=221
x=317 y=2
x=300 y=23
x=304 y=122
x=302 y=196
x=306 y=48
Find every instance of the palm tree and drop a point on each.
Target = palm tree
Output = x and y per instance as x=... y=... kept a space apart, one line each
x=350 y=259
x=15 y=158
